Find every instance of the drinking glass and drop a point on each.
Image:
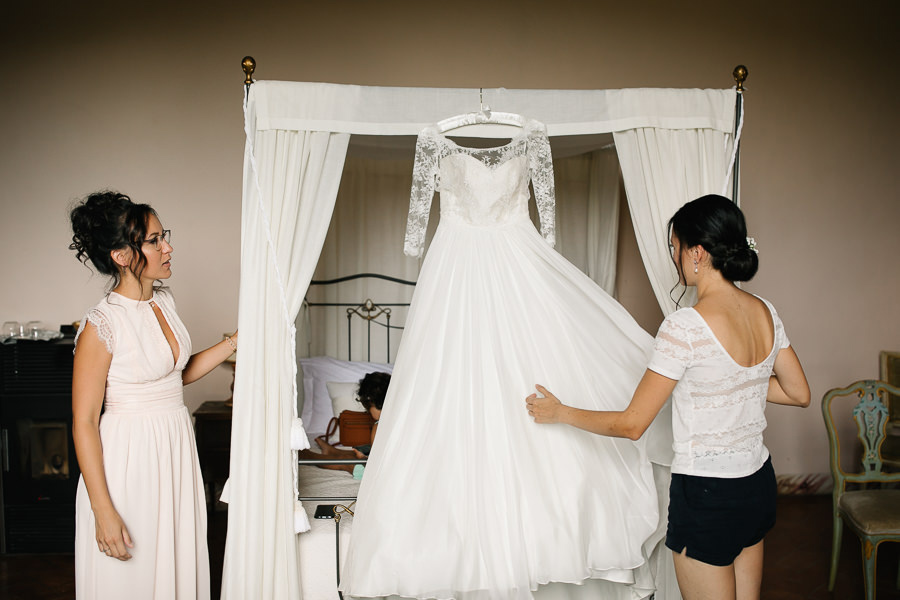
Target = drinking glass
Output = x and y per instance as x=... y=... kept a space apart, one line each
x=10 y=329
x=33 y=329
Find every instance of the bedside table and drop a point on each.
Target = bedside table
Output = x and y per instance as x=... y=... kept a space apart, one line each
x=212 y=427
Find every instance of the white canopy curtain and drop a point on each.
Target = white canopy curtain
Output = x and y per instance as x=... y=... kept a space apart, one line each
x=588 y=237
x=663 y=169
x=297 y=139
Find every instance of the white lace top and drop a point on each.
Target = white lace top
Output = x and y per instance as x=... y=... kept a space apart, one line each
x=718 y=405
x=476 y=196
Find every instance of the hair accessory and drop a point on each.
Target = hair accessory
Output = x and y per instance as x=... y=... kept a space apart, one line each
x=751 y=243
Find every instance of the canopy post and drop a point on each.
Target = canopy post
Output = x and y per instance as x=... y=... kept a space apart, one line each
x=740 y=76
x=248 y=64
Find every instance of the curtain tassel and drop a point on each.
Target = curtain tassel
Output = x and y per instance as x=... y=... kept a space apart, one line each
x=299 y=439
x=301 y=520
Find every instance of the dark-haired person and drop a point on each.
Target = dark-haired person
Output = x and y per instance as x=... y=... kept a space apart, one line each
x=720 y=360
x=372 y=390
x=140 y=509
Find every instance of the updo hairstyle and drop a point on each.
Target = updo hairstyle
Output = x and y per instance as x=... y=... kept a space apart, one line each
x=372 y=389
x=718 y=225
x=107 y=221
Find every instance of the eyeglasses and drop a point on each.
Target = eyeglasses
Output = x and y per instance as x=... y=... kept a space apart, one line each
x=166 y=235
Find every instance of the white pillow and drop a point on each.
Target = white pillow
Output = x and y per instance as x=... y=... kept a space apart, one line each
x=343 y=397
x=317 y=372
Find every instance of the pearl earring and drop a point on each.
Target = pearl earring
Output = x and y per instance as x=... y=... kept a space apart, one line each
x=695 y=266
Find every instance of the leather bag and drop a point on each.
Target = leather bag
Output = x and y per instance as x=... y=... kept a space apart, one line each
x=355 y=428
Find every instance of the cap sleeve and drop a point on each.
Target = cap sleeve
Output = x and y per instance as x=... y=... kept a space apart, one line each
x=102 y=325
x=672 y=349
x=781 y=338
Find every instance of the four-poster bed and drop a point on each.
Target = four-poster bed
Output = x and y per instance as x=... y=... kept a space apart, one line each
x=672 y=145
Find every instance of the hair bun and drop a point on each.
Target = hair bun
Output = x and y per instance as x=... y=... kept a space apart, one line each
x=107 y=221
x=739 y=263
x=718 y=225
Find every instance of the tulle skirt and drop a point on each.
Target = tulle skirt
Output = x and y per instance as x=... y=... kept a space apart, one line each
x=464 y=496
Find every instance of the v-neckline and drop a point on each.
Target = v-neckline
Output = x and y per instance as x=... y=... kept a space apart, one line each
x=150 y=303
x=160 y=319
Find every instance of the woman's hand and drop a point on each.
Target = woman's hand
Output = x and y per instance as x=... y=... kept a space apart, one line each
x=546 y=409
x=112 y=535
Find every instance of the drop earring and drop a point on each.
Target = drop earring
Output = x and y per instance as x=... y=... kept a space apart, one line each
x=695 y=266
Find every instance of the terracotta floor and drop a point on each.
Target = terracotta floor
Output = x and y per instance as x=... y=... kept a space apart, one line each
x=796 y=566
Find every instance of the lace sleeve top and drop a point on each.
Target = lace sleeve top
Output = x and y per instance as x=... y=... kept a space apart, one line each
x=432 y=148
x=718 y=405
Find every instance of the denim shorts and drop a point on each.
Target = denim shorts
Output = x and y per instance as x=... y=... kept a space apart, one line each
x=715 y=518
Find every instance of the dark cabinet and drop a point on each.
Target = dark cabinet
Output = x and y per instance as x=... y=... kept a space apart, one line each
x=39 y=469
x=212 y=424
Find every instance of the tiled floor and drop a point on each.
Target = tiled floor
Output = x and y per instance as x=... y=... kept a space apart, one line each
x=796 y=564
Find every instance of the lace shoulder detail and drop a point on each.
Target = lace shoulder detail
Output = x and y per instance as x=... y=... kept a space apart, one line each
x=540 y=164
x=101 y=324
x=425 y=181
x=673 y=349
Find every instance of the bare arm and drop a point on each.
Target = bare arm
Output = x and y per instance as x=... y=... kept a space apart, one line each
x=788 y=385
x=88 y=387
x=203 y=362
x=631 y=423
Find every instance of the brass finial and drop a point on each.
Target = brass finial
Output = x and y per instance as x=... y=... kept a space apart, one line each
x=740 y=76
x=249 y=65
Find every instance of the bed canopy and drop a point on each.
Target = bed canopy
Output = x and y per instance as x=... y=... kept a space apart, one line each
x=672 y=144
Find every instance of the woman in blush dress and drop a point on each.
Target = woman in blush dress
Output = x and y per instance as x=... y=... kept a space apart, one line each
x=140 y=508
x=721 y=361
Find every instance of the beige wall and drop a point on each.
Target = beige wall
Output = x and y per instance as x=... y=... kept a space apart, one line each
x=147 y=100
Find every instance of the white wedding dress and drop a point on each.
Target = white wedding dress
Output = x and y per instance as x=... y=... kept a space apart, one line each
x=464 y=496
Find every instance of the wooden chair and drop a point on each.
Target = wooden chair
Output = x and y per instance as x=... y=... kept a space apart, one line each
x=872 y=514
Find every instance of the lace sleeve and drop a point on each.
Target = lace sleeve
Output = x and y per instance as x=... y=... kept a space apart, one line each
x=672 y=349
x=423 y=186
x=540 y=163
x=101 y=325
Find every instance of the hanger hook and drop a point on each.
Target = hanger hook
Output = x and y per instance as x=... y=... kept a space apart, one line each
x=483 y=108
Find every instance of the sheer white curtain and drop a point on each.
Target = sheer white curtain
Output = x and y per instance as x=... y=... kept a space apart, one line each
x=290 y=183
x=365 y=236
x=587 y=213
x=663 y=169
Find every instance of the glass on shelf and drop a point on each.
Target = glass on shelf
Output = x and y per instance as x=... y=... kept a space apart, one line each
x=10 y=329
x=33 y=330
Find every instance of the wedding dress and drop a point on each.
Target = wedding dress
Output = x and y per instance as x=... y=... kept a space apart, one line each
x=464 y=496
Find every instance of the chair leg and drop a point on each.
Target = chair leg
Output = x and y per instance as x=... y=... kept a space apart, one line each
x=869 y=555
x=836 y=530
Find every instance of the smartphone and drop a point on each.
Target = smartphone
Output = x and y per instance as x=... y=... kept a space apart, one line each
x=325 y=511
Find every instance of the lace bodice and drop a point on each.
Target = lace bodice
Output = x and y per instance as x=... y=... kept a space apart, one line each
x=718 y=405
x=481 y=186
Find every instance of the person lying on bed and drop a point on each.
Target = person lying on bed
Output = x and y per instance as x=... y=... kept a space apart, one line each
x=372 y=390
